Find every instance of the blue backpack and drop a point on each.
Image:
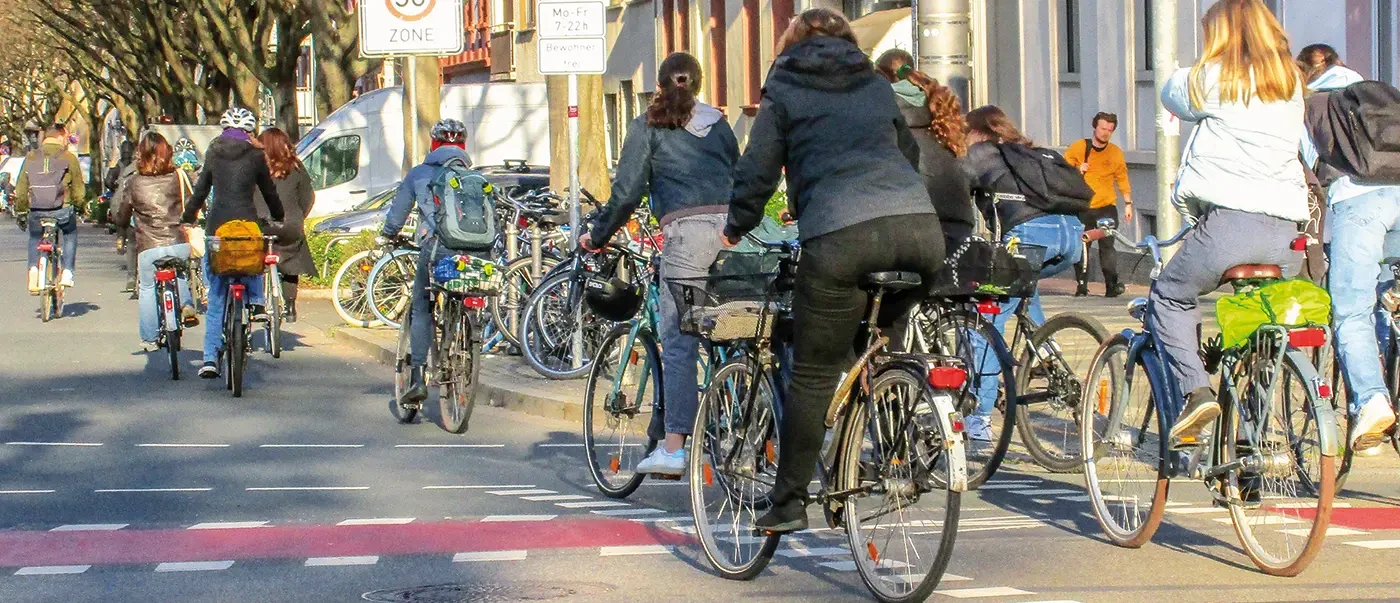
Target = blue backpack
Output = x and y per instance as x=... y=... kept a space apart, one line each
x=466 y=214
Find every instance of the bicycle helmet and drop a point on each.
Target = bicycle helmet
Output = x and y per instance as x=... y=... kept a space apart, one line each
x=611 y=297
x=240 y=119
x=450 y=131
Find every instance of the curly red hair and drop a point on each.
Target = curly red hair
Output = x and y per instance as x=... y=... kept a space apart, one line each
x=949 y=126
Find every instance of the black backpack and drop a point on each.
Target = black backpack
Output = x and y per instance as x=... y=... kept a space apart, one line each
x=1357 y=132
x=1049 y=183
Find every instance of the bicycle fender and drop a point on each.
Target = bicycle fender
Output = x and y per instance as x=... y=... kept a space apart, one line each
x=954 y=444
x=1328 y=429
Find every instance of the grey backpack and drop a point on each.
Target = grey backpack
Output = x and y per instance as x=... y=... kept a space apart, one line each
x=46 y=190
x=466 y=215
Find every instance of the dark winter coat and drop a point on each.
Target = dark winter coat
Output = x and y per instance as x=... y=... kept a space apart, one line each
x=944 y=179
x=297 y=199
x=234 y=169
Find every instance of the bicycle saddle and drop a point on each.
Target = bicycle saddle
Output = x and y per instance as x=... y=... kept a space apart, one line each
x=892 y=281
x=1250 y=272
x=170 y=263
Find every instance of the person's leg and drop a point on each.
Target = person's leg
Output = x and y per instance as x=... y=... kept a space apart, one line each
x=146 y=292
x=691 y=247
x=1081 y=268
x=421 y=329
x=36 y=234
x=69 y=228
x=1359 y=229
x=214 y=314
x=290 y=284
x=1108 y=256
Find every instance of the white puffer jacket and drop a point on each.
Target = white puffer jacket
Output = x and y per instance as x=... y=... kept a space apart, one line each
x=1240 y=156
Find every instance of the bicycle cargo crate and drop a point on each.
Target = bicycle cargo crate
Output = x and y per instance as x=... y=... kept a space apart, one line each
x=236 y=256
x=726 y=308
x=978 y=267
x=468 y=275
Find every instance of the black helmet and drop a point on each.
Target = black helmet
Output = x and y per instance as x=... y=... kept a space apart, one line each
x=612 y=298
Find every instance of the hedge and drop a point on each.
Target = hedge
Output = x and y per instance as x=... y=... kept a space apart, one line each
x=332 y=258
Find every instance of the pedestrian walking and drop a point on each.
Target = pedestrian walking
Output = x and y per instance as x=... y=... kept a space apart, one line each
x=294 y=188
x=1106 y=171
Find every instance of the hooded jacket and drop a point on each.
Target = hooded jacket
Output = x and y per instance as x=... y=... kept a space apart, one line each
x=155 y=203
x=944 y=178
x=234 y=168
x=413 y=192
x=830 y=122
x=686 y=171
x=52 y=150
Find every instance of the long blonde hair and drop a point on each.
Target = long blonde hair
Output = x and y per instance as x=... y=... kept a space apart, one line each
x=1251 y=48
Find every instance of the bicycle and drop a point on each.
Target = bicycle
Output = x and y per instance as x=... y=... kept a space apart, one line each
x=545 y=233
x=238 y=323
x=1252 y=462
x=50 y=267
x=898 y=444
x=350 y=289
x=388 y=289
x=168 y=272
x=274 y=300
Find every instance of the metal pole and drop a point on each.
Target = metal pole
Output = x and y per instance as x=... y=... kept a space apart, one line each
x=943 y=43
x=410 y=88
x=1164 y=64
x=311 y=77
x=574 y=218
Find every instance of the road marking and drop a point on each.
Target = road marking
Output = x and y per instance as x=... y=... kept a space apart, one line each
x=501 y=518
x=850 y=566
x=227 y=525
x=555 y=497
x=1376 y=544
x=89 y=527
x=307 y=488
x=64 y=389
x=52 y=570
x=449 y=446
x=628 y=512
x=521 y=492
x=597 y=504
x=1004 y=486
x=742 y=540
x=26 y=491
x=1045 y=492
x=1304 y=505
x=686 y=519
x=311 y=446
x=1265 y=520
x=182 y=445
x=194 y=566
x=1198 y=510
x=377 y=521
x=560 y=445
x=1014 y=482
x=917 y=578
x=477 y=487
x=1331 y=532
x=645 y=549
x=666 y=482
x=834 y=551
x=141 y=490
x=490 y=556
x=978 y=593
x=1085 y=498
x=330 y=561
x=78 y=444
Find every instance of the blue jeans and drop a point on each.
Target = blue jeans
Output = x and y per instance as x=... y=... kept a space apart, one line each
x=1359 y=229
x=146 y=287
x=691 y=247
x=67 y=224
x=218 y=297
x=1059 y=235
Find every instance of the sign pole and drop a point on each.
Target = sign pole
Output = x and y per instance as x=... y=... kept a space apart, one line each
x=574 y=218
x=410 y=88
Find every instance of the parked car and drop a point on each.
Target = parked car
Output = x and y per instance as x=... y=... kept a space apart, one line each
x=367 y=215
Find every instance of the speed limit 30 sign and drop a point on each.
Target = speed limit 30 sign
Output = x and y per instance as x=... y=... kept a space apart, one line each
x=411 y=27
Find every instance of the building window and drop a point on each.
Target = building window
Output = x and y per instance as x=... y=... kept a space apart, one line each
x=1145 y=38
x=718 y=55
x=304 y=69
x=1385 y=42
x=1069 y=36
x=526 y=18
x=613 y=124
x=753 y=56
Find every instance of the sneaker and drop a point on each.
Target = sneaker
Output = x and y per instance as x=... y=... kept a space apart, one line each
x=130 y=287
x=1201 y=408
x=1115 y=290
x=978 y=428
x=660 y=462
x=189 y=317
x=257 y=313
x=66 y=280
x=1368 y=429
x=33 y=280
x=209 y=371
x=150 y=346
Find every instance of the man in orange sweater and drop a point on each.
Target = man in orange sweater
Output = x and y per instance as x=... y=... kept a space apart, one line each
x=1104 y=167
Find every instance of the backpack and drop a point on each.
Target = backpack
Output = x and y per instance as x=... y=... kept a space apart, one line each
x=1357 y=132
x=466 y=214
x=46 y=190
x=1049 y=183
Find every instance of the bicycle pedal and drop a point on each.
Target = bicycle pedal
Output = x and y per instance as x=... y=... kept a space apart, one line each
x=1188 y=442
x=411 y=405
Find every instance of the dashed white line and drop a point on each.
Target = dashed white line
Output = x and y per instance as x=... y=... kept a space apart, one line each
x=307 y=489
x=500 y=487
x=917 y=578
x=596 y=504
x=1376 y=544
x=194 y=566
x=1045 y=492
x=26 y=491
x=686 y=519
x=1331 y=532
x=449 y=446
x=979 y=593
x=182 y=445
x=520 y=492
x=227 y=525
x=377 y=521
x=504 y=518
x=1198 y=510
x=334 y=561
x=644 y=549
x=555 y=497
x=311 y=446
x=52 y=570
x=490 y=556
x=817 y=552
x=89 y=527
x=1265 y=520
x=628 y=512
x=1004 y=486
x=76 y=444
x=560 y=445
x=142 y=490
x=850 y=566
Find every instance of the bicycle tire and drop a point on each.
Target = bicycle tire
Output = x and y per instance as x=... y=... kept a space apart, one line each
x=518 y=283
x=349 y=290
x=1314 y=513
x=238 y=351
x=172 y=347
x=951 y=335
x=45 y=300
x=55 y=271
x=882 y=416
x=544 y=315
x=273 y=327
x=741 y=400
x=1047 y=417
x=616 y=478
x=1109 y=388
x=463 y=367
x=389 y=286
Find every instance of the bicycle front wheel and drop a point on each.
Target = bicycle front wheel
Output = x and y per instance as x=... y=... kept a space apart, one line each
x=403 y=372
x=991 y=398
x=272 y=285
x=624 y=387
x=902 y=515
x=390 y=286
x=554 y=323
x=1049 y=379
x=350 y=290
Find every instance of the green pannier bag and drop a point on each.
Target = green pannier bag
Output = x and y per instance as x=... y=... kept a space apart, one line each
x=1291 y=303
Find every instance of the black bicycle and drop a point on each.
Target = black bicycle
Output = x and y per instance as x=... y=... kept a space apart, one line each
x=169 y=271
x=50 y=270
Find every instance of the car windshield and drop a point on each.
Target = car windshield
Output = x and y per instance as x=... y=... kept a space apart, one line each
x=377 y=201
x=308 y=140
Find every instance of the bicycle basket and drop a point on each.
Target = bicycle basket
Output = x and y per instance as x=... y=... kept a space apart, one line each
x=979 y=267
x=726 y=307
x=467 y=275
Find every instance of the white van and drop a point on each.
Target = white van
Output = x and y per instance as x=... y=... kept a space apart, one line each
x=357 y=152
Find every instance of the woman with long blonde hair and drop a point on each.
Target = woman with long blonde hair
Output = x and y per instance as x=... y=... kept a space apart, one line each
x=1240 y=180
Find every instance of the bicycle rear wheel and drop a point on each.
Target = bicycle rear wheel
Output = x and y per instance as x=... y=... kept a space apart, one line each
x=624 y=387
x=55 y=271
x=1121 y=434
x=975 y=341
x=1049 y=379
x=273 y=327
x=350 y=290
x=553 y=315
x=172 y=347
x=403 y=369
x=518 y=283
x=390 y=286
x=733 y=466
x=461 y=367
x=902 y=518
x=238 y=349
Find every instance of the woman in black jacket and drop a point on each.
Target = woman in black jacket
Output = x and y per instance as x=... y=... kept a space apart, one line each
x=294 y=187
x=830 y=122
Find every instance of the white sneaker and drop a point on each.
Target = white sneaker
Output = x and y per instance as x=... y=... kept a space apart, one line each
x=150 y=346
x=660 y=462
x=33 y=279
x=1368 y=428
x=978 y=427
x=66 y=280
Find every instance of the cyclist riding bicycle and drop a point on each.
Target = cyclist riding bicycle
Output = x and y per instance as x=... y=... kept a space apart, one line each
x=1239 y=177
x=235 y=167
x=448 y=147
x=681 y=153
x=830 y=122
x=50 y=186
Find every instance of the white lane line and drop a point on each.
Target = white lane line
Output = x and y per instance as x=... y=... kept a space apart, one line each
x=1045 y=492
x=307 y=488
x=596 y=504
x=377 y=521
x=560 y=445
x=52 y=570
x=1004 y=486
x=686 y=519
x=1266 y=520
x=979 y=593
x=644 y=549
x=140 y=490
x=850 y=566
x=89 y=527
x=64 y=389
x=1084 y=498
x=834 y=551
x=1376 y=544
x=555 y=497
x=1198 y=510
x=628 y=512
x=506 y=518
x=477 y=487
x=665 y=482
x=194 y=566
x=490 y=556
x=77 y=444
x=449 y=446
x=332 y=561
x=1331 y=532
x=311 y=446
x=182 y=445
x=520 y=492
x=26 y=491
x=915 y=579
x=227 y=525
x=1016 y=482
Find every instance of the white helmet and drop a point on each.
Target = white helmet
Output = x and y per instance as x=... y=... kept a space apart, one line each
x=239 y=118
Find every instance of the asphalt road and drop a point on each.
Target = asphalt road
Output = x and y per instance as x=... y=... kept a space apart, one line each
x=117 y=484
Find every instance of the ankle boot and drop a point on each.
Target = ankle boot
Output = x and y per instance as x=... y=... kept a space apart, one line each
x=289 y=291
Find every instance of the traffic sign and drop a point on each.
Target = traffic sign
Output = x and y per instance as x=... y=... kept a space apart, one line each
x=411 y=27
x=572 y=37
x=581 y=56
x=572 y=19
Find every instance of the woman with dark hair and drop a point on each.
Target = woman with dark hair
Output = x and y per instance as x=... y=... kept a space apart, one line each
x=681 y=154
x=830 y=123
x=1323 y=68
x=294 y=188
x=151 y=203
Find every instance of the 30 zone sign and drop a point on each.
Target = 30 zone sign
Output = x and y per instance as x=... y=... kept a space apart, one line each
x=411 y=27
x=410 y=10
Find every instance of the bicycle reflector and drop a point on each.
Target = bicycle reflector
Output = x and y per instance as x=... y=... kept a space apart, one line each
x=956 y=420
x=165 y=276
x=46 y=247
x=947 y=377
x=1311 y=337
x=1324 y=389
x=1301 y=243
x=271 y=259
x=989 y=307
x=475 y=303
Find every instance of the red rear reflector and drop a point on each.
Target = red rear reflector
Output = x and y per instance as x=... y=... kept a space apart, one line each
x=522 y=222
x=1300 y=243
x=1307 y=338
x=271 y=259
x=237 y=291
x=46 y=247
x=989 y=307
x=169 y=303
x=947 y=377
x=956 y=419
x=165 y=275
x=1324 y=390
x=474 y=302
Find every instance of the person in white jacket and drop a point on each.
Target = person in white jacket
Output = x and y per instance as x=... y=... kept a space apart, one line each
x=1240 y=179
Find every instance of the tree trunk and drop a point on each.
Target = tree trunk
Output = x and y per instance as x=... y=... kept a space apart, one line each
x=427 y=89
x=593 y=162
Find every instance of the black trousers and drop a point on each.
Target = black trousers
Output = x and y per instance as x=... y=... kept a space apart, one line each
x=828 y=308
x=1108 y=255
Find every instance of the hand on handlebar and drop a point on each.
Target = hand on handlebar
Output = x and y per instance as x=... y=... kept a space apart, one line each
x=585 y=242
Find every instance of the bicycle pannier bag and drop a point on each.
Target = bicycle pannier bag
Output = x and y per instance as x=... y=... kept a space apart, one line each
x=1291 y=303
x=46 y=190
x=1357 y=131
x=466 y=216
x=237 y=249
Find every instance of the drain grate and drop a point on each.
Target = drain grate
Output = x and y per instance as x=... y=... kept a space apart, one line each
x=488 y=592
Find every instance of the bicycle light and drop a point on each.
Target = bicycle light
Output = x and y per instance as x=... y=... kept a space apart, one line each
x=947 y=377
x=46 y=247
x=1301 y=243
x=271 y=259
x=475 y=303
x=164 y=276
x=989 y=307
x=1312 y=337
